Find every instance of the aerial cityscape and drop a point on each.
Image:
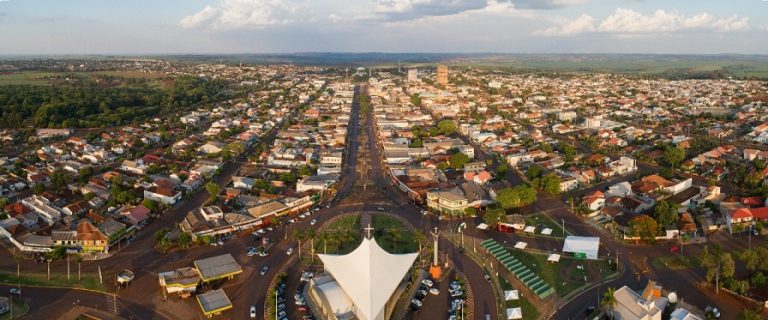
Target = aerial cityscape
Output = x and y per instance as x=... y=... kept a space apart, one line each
x=384 y=159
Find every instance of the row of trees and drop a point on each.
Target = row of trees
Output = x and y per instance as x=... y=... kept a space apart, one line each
x=548 y=182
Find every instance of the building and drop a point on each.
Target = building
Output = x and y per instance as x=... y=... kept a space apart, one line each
x=451 y=201
x=632 y=306
x=180 y=280
x=214 y=302
x=413 y=75
x=442 y=74
x=218 y=267
x=364 y=284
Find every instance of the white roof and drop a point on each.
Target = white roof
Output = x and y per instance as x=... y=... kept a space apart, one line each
x=586 y=245
x=511 y=295
x=482 y=226
x=529 y=229
x=521 y=245
x=369 y=275
x=554 y=257
x=546 y=231
x=514 y=313
x=339 y=301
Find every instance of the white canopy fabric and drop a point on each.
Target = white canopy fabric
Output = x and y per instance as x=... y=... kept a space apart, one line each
x=588 y=246
x=514 y=313
x=482 y=226
x=511 y=295
x=546 y=231
x=530 y=229
x=521 y=245
x=369 y=275
x=554 y=257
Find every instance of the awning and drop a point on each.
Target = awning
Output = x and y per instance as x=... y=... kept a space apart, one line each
x=514 y=313
x=521 y=245
x=511 y=295
x=530 y=229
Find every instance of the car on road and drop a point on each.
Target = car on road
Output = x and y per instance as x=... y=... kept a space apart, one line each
x=253 y=312
x=674 y=249
x=302 y=216
x=16 y=291
x=263 y=270
x=289 y=252
x=590 y=309
x=281 y=314
x=421 y=293
x=427 y=283
x=262 y=254
x=252 y=252
x=270 y=229
x=380 y=209
x=312 y=223
x=434 y=291
x=487 y=277
x=712 y=311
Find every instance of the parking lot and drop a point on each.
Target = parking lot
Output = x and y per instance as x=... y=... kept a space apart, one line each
x=442 y=300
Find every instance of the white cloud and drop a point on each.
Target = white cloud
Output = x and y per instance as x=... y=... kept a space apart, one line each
x=630 y=22
x=231 y=14
x=546 y=4
x=415 y=9
x=582 y=24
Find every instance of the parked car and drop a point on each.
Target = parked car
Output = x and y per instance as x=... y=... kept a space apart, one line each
x=710 y=310
x=434 y=291
x=312 y=223
x=380 y=208
x=253 y=312
x=16 y=291
x=263 y=270
x=290 y=251
x=427 y=283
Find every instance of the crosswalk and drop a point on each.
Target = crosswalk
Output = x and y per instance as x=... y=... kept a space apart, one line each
x=111 y=302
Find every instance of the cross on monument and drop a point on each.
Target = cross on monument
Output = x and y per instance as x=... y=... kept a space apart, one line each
x=368 y=229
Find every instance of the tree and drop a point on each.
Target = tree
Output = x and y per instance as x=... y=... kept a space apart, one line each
x=184 y=239
x=420 y=238
x=644 y=227
x=458 y=160
x=299 y=236
x=526 y=194
x=447 y=126
x=470 y=212
x=550 y=183
x=501 y=169
x=750 y=259
x=150 y=204
x=747 y=314
x=396 y=235
x=568 y=150
x=3 y=202
x=493 y=216
x=305 y=171
x=546 y=147
x=59 y=178
x=213 y=191
x=508 y=198
x=665 y=213
x=673 y=155
x=719 y=264
x=38 y=188
x=533 y=172
x=609 y=301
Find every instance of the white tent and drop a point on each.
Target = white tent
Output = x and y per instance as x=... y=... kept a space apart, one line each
x=482 y=226
x=369 y=275
x=546 y=231
x=553 y=258
x=514 y=313
x=511 y=295
x=586 y=246
x=530 y=229
x=521 y=245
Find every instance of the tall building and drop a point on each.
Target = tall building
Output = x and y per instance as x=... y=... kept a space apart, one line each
x=442 y=74
x=413 y=75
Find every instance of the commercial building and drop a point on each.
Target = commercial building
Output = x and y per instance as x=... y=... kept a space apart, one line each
x=442 y=74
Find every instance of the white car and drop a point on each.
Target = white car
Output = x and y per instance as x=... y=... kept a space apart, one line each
x=312 y=223
x=302 y=216
x=427 y=283
x=290 y=251
x=434 y=291
x=253 y=312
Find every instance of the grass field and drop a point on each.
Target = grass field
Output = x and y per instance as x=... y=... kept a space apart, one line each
x=50 y=78
x=384 y=225
x=529 y=310
x=676 y=262
x=540 y=219
x=88 y=281
x=566 y=275
x=338 y=244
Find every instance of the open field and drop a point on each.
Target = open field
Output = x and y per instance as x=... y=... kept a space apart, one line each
x=50 y=78
x=529 y=310
x=88 y=281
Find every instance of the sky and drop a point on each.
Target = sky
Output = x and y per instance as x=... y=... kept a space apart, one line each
x=463 y=26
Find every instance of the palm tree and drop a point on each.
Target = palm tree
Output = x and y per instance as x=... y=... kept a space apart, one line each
x=298 y=235
x=419 y=236
x=609 y=300
x=311 y=234
x=324 y=237
x=395 y=233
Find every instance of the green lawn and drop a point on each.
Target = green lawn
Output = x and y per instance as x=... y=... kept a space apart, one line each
x=676 y=262
x=529 y=310
x=344 y=236
x=540 y=219
x=564 y=276
x=384 y=227
x=88 y=281
x=20 y=308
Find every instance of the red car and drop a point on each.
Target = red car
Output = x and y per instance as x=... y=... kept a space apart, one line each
x=674 y=249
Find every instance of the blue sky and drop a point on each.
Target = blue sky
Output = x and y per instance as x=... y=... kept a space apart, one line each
x=268 y=26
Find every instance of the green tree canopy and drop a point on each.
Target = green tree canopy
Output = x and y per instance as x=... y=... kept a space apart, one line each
x=665 y=213
x=447 y=126
x=673 y=155
x=458 y=160
x=644 y=227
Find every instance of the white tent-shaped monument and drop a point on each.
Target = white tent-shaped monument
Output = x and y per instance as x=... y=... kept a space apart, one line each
x=369 y=275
